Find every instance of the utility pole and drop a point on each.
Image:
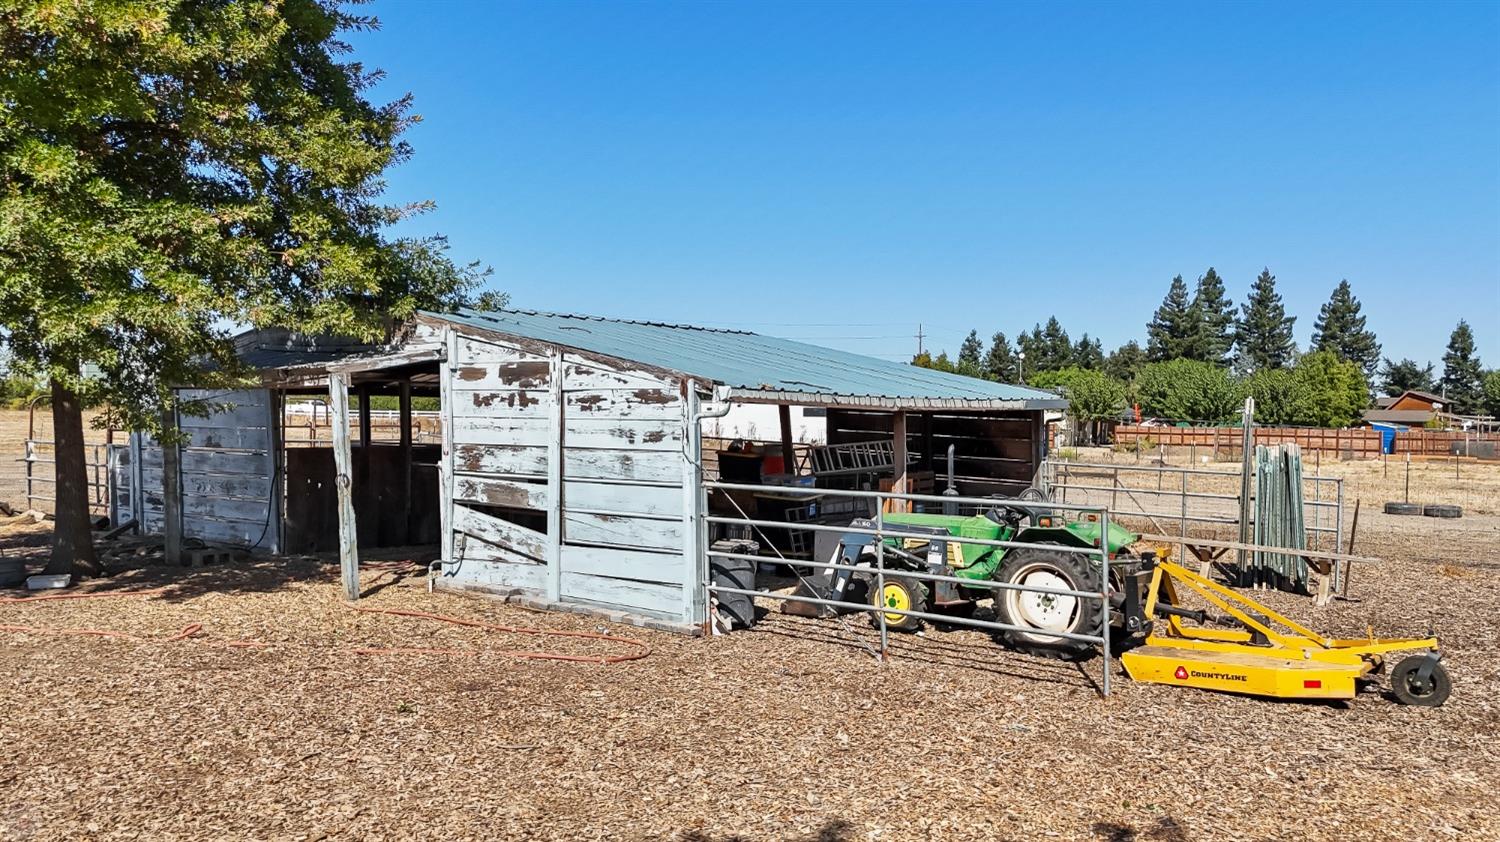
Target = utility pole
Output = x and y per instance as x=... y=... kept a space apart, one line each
x=920 y=336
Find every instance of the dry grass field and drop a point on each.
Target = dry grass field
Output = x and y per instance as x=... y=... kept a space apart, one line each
x=790 y=731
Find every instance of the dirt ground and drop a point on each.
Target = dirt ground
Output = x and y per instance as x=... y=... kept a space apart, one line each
x=790 y=731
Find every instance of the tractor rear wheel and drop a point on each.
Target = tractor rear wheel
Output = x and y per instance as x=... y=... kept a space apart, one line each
x=905 y=595
x=1048 y=612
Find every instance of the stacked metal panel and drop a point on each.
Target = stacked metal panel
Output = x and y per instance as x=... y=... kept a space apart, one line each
x=1278 y=518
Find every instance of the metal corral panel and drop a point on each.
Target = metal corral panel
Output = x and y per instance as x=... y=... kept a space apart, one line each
x=760 y=367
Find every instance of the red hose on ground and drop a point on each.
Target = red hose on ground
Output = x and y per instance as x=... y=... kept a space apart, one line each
x=548 y=656
x=192 y=629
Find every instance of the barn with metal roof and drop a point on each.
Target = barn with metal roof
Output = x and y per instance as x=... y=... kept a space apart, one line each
x=566 y=462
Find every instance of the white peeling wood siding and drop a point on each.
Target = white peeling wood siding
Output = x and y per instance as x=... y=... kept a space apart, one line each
x=495 y=457
x=591 y=448
x=229 y=489
x=622 y=488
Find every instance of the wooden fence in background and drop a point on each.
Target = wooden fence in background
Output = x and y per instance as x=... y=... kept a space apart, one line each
x=1349 y=443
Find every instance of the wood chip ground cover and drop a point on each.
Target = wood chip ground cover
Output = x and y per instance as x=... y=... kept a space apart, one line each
x=788 y=732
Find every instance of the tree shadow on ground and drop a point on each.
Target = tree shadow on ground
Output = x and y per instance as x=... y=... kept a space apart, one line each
x=28 y=541
x=1166 y=829
x=975 y=652
x=834 y=830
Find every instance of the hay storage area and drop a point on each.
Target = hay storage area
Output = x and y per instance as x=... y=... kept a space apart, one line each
x=787 y=732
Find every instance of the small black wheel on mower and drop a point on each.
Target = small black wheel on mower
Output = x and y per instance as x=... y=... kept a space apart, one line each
x=903 y=594
x=1443 y=511
x=1048 y=612
x=1411 y=688
x=1403 y=508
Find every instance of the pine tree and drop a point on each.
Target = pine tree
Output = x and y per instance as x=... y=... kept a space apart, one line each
x=1057 y=350
x=1406 y=375
x=1088 y=354
x=1000 y=362
x=1031 y=348
x=1211 y=321
x=1168 y=333
x=1341 y=329
x=1463 y=378
x=970 y=355
x=1263 y=334
x=1125 y=362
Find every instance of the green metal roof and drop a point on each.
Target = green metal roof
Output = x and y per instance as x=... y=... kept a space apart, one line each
x=761 y=368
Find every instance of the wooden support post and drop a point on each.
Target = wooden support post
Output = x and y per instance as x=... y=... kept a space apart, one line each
x=788 y=452
x=403 y=408
x=555 y=444
x=343 y=469
x=898 y=461
x=171 y=488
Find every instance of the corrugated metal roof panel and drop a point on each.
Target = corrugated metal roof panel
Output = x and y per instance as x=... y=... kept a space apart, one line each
x=750 y=363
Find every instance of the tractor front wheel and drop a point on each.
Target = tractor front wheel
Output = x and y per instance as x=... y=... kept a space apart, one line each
x=902 y=594
x=1047 y=613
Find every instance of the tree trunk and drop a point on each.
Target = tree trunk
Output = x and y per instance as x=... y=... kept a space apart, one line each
x=72 y=535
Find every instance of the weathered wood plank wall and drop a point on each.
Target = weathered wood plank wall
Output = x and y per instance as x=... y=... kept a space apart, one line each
x=615 y=537
x=228 y=472
x=498 y=463
x=622 y=488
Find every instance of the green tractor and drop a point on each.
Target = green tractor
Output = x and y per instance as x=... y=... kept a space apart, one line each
x=922 y=546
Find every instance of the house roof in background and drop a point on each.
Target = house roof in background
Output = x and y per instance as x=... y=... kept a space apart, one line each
x=1417 y=393
x=1415 y=417
x=760 y=368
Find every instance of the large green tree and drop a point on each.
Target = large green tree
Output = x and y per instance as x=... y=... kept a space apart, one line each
x=1000 y=362
x=1088 y=353
x=1094 y=396
x=172 y=168
x=1463 y=376
x=1491 y=391
x=1406 y=375
x=1188 y=390
x=1340 y=328
x=1125 y=362
x=971 y=355
x=1171 y=328
x=1263 y=333
x=1333 y=391
x=1056 y=349
x=1280 y=399
x=1211 y=321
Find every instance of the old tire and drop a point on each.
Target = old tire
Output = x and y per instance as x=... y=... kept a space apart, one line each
x=1048 y=612
x=1403 y=508
x=1443 y=511
x=904 y=594
x=1410 y=689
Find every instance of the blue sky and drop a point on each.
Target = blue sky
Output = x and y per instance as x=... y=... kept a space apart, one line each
x=844 y=172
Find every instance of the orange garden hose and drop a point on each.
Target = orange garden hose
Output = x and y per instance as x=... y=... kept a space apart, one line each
x=193 y=629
